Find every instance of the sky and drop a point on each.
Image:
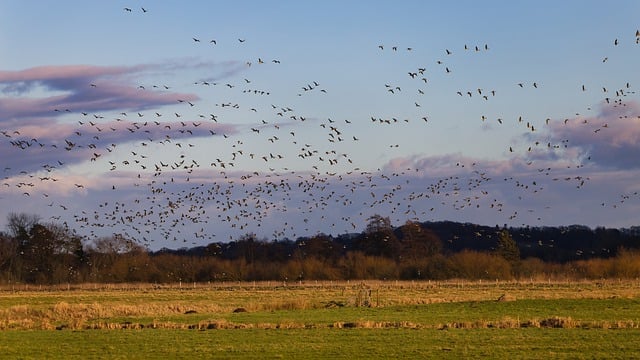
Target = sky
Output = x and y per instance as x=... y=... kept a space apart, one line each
x=184 y=123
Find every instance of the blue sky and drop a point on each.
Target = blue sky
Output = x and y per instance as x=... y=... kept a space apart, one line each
x=317 y=120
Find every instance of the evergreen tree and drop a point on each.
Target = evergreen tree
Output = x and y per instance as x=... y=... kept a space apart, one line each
x=507 y=247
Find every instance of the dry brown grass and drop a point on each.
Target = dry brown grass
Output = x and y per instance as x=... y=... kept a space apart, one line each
x=507 y=323
x=94 y=306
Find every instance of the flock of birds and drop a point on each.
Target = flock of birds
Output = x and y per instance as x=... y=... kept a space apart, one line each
x=180 y=190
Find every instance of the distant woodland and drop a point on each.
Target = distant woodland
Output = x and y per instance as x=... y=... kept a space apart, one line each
x=34 y=252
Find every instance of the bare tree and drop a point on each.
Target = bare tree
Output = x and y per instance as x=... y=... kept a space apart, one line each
x=378 y=238
x=418 y=242
x=378 y=223
x=18 y=223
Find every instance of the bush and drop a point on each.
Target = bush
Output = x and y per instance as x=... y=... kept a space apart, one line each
x=475 y=265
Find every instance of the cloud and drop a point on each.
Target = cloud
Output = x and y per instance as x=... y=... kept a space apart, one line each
x=186 y=203
x=80 y=162
x=36 y=126
x=40 y=148
x=550 y=186
x=38 y=92
x=231 y=68
x=609 y=139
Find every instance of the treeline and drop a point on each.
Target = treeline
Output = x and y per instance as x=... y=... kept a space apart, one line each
x=48 y=253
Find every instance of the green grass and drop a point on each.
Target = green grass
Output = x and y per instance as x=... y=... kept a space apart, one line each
x=322 y=343
x=412 y=320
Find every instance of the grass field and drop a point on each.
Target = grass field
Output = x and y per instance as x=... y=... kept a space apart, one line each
x=320 y=320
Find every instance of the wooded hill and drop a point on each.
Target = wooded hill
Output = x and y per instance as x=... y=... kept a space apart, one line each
x=31 y=252
x=550 y=244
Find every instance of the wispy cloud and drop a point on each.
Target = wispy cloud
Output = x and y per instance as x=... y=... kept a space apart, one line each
x=39 y=103
x=39 y=92
x=37 y=148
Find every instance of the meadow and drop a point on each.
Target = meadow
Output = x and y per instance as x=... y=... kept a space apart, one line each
x=380 y=319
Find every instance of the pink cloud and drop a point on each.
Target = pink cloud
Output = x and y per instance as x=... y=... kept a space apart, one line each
x=66 y=72
x=610 y=138
x=85 y=88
